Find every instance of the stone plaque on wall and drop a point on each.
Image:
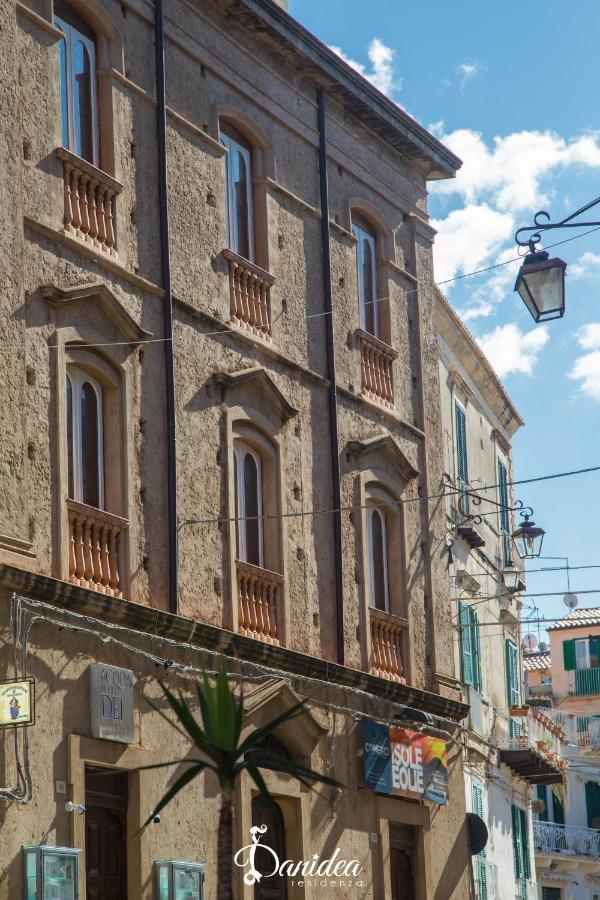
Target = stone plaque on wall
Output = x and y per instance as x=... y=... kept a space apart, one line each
x=111 y=703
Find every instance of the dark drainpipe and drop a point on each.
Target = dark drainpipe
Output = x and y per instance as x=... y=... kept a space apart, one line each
x=333 y=420
x=165 y=265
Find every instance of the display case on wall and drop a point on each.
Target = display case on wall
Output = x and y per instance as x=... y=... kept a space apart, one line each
x=176 y=880
x=50 y=873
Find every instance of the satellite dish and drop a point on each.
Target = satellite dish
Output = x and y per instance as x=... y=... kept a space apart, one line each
x=570 y=601
x=530 y=641
x=478 y=833
x=543 y=647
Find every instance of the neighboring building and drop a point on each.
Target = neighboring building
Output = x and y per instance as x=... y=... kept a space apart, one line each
x=501 y=750
x=300 y=345
x=567 y=828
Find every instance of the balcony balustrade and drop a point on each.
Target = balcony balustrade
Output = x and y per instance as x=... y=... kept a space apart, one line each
x=90 y=199
x=563 y=840
x=250 y=287
x=96 y=551
x=259 y=599
x=588 y=733
x=530 y=744
x=376 y=363
x=386 y=645
x=587 y=682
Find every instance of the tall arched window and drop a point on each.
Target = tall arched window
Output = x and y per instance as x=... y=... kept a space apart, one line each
x=366 y=261
x=239 y=192
x=78 y=85
x=378 y=559
x=85 y=438
x=248 y=489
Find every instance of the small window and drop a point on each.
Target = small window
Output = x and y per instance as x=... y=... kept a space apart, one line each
x=586 y=653
x=248 y=488
x=78 y=86
x=462 y=464
x=504 y=512
x=378 y=562
x=85 y=438
x=238 y=188
x=366 y=260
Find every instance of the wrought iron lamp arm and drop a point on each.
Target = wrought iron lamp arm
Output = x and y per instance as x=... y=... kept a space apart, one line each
x=538 y=227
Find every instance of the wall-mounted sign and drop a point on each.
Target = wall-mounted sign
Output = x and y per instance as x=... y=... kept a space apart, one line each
x=111 y=703
x=405 y=763
x=17 y=702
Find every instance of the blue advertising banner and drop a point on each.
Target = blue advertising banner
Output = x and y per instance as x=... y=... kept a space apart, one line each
x=405 y=763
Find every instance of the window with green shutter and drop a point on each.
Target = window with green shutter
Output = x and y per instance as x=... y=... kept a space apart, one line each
x=513 y=693
x=569 y=655
x=470 y=646
x=592 y=802
x=479 y=861
x=521 y=857
x=504 y=513
x=542 y=816
x=462 y=464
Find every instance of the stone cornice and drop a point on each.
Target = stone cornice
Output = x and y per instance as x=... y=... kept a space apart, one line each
x=146 y=619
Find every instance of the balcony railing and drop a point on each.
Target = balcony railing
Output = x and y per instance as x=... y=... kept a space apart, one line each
x=587 y=682
x=250 y=303
x=588 y=732
x=551 y=838
x=386 y=645
x=376 y=363
x=90 y=197
x=530 y=743
x=259 y=599
x=96 y=548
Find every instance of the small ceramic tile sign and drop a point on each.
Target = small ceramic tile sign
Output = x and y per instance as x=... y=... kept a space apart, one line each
x=111 y=703
x=17 y=702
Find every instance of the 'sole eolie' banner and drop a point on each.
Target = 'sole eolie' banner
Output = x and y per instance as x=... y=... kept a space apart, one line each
x=405 y=763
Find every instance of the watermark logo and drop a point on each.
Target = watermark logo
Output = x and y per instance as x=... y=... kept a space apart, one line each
x=330 y=872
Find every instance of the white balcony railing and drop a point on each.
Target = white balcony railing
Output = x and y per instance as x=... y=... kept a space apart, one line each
x=528 y=729
x=551 y=838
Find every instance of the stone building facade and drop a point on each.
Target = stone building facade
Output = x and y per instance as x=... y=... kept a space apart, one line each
x=197 y=372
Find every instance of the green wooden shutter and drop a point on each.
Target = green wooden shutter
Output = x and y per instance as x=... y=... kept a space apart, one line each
x=558 y=810
x=569 y=655
x=461 y=457
x=516 y=837
x=476 y=651
x=477 y=798
x=512 y=674
x=592 y=801
x=525 y=844
x=480 y=867
x=504 y=514
x=466 y=645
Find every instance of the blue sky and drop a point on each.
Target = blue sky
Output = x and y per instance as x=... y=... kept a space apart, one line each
x=513 y=91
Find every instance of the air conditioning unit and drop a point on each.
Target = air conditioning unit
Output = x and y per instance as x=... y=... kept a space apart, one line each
x=475 y=710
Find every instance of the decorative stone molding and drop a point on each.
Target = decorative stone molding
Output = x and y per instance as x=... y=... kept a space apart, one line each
x=97 y=292
x=384 y=444
x=90 y=202
x=259 y=378
x=377 y=360
x=457 y=380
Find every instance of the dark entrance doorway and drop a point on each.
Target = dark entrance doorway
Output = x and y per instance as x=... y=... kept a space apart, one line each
x=105 y=834
x=263 y=813
x=402 y=862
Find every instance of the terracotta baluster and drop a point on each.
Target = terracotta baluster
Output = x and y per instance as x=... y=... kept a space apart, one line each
x=109 y=221
x=273 y=614
x=75 y=209
x=92 y=210
x=101 y=216
x=96 y=531
x=68 y=168
x=104 y=557
x=83 y=205
x=87 y=552
x=113 y=556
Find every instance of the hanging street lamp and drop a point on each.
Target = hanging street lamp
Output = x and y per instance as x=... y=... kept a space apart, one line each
x=541 y=285
x=541 y=280
x=511 y=577
x=528 y=537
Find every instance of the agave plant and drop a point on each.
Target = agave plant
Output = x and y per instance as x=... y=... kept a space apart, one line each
x=217 y=739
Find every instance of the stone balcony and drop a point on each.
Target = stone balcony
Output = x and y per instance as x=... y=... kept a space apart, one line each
x=376 y=359
x=90 y=201
x=96 y=549
x=249 y=295
x=386 y=645
x=529 y=743
x=551 y=839
x=259 y=603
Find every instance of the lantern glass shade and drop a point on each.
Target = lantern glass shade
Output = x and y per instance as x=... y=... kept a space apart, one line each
x=541 y=285
x=528 y=539
x=511 y=576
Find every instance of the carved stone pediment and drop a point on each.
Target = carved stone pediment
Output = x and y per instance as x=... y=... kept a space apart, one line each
x=103 y=297
x=257 y=379
x=301 y=733
x=384 y=446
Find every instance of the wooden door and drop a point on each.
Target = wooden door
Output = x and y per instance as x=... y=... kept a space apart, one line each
x=106 y=835
x=403 y=876
x=263 y=813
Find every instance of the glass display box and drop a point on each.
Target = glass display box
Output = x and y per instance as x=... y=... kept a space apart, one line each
x=175 y=880
x=50 y=873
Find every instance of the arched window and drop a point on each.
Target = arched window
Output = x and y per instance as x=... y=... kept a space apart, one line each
x=366 y=261
x=85 y=438
x=78 y=85
x=248 y=501
x=378 y=559
x=239 y=192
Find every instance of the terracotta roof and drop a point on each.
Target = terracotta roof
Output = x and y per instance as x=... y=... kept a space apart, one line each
x=536 y=661
x=587 y=616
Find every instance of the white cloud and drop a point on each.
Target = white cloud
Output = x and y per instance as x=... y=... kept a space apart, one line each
x=468 y=237
x=381 y=73
x=467 y=71
x=586 y=368
x=511 y=350
x=587 y=264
